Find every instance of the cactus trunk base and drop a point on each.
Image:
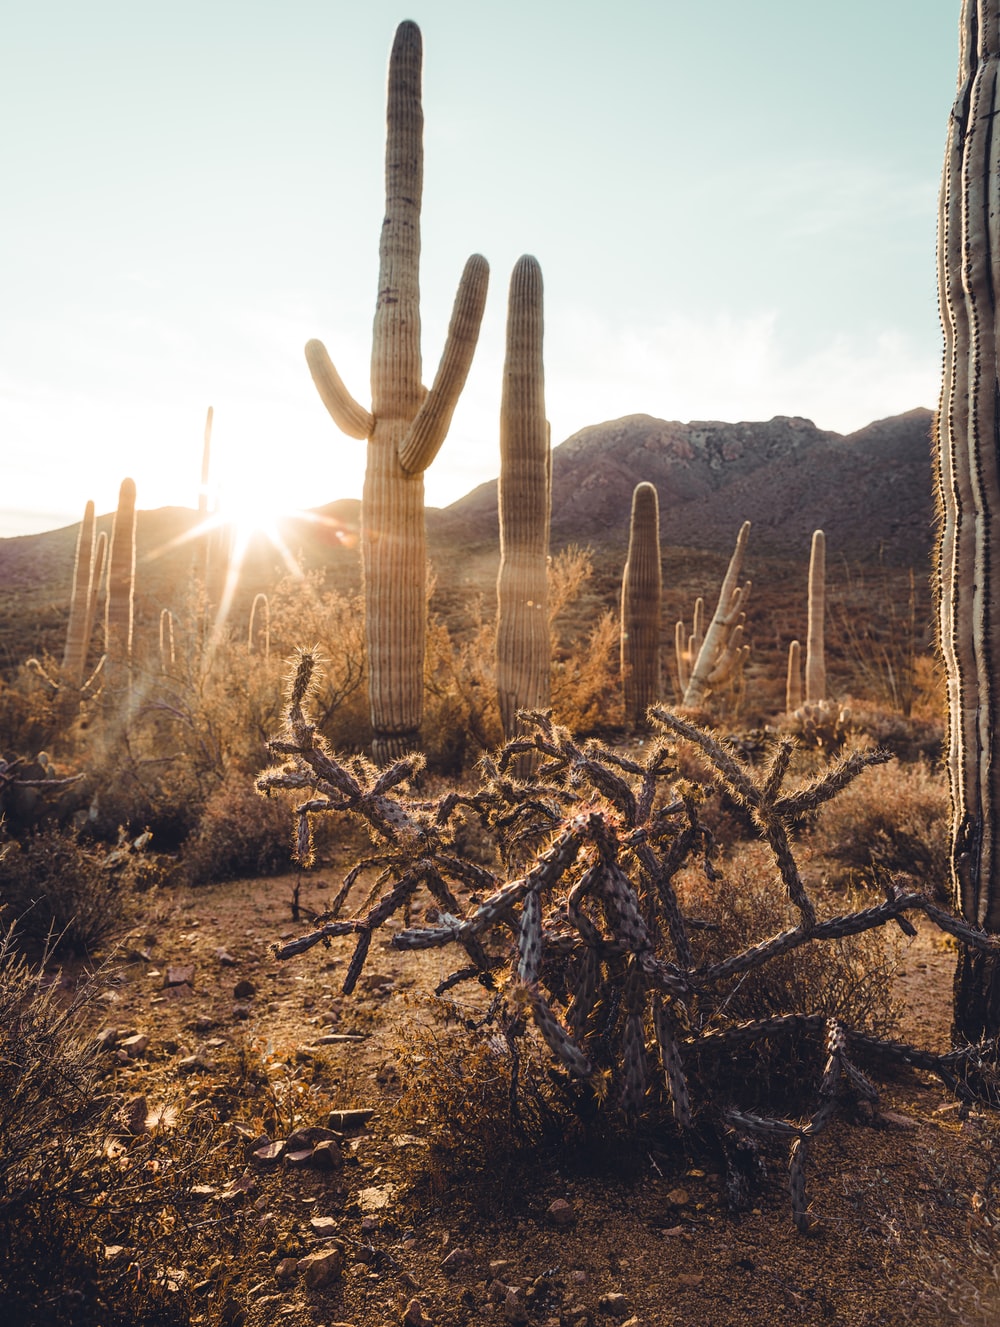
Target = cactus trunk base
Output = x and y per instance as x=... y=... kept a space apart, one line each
x=388 y=747
x=977 y=997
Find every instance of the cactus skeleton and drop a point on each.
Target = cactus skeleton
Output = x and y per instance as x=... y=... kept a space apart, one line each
x=642 y=586
x=406 y=424
x=722 y=654
x=523 y=643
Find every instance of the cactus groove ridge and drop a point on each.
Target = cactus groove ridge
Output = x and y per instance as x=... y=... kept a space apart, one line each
x=407 y=423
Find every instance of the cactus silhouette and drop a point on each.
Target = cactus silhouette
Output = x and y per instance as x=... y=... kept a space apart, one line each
x=523 y=645
x=120 y=597
x=406 y=424
x=642 y=587
x=87 y=570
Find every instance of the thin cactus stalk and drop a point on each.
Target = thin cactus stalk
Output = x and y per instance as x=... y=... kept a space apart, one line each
x=260 y=626
x=206 y=458
x=77 y=636
x=167 y=656
x=687 y=646
x=722 y=653
x=793 y=682
x=967 y=474
x=815 y=656
x=120 y=599
x=642 y=587
x=523 y=644
x=406 y=424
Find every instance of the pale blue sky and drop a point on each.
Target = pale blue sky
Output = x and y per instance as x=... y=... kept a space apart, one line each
x=733 y=205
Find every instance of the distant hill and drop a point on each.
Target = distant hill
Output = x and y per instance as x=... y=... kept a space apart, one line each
x=870 y=490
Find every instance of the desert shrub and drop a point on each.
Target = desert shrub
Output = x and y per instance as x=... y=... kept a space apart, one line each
x=75 y=894
x=896 y=823
x=910 y=737
x=239 y=834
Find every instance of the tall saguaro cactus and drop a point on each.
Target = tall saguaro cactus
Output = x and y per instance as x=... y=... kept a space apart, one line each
x=406 y=424
x=815 y=649
x=87 y=570
x=523 y=647
x=642 y=589
x=967 y=465
x=119 y=603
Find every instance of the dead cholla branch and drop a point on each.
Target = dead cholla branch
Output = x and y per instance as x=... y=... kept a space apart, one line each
x=587 y=930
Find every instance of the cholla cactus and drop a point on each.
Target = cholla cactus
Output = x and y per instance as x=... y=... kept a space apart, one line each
x=585 y=932
x=406 y=424
x=721 y=654
x=642 y=587
x=523 y=645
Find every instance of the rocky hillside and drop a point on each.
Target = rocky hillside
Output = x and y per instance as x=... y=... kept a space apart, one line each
x=870 y=491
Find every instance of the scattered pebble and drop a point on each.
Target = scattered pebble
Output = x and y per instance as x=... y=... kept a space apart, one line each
x=560 y=1213
x=321 y=1267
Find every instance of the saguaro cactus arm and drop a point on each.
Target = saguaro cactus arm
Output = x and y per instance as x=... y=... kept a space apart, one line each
x=725 y=620
x=349 y=417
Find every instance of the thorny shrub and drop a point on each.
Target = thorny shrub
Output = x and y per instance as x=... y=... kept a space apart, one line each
x=581 y=931
x=238 y=835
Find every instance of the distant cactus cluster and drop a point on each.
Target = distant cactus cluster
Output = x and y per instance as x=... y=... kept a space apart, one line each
x=584 y=931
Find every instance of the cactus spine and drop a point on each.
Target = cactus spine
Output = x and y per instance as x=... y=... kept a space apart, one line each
x=642 y=588
x=815 y=657
x=119 y=604
x=968 y=495
x=523 y=645
x=722 y=653
x=406 y=424
x=87 y=569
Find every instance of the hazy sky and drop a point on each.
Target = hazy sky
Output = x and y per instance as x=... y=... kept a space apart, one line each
x=733 y=205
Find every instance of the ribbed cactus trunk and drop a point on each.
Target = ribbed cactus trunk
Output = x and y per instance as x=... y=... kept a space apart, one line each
x=793 y=679
x=815 y=646
x=406 y=424
x=523 y=646
x=119 y=604
x=642 y=589
x=81 y=617
x=968 y=491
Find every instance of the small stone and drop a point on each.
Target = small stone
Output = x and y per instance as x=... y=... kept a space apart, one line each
x=323 y=1226
x=345 y=1120
x=191 y=1064
x=634 y=1322
x=301 y=1157
x=690 y=1279
x=244 y=990
x=309 y=1136
x=456 y=1260
x=322 y=1267
x=376 y=1198
x=226 y=959
x=241 y=1012
x=134 y=1114
x=327 y=1155
x=270 y=1151
x=414 y=1315
x=678 y=1197
x=895 y=1119
x=560 y=1213
x=106 y=1039
x=134 y=1047
x=496 y=1291
x=179 y=975
x=514 y=1310
x=614 y=1304
x=285 y=1269
x=498 y=1266
x=578 y=1277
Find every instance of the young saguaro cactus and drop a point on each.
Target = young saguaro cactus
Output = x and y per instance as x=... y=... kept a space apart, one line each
x=523 y=646
x=967 y=473
x=815 y=653
x=642 y=588
x=87 y=570
x=406 y=424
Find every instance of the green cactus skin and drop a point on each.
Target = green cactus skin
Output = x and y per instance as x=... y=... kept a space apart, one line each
x=80 y=608
x=119 y=604
x=406 y=424
x=967 y=471
x=722 y=651
x=523 y=644
x=793 y=680
x=815 y=655
x=642 y=589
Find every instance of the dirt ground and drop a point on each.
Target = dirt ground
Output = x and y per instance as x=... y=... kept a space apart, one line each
x=902 y=1203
